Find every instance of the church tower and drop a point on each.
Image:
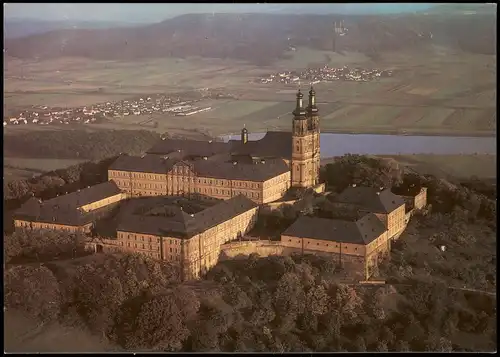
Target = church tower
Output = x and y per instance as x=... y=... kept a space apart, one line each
x=305 y=143
x=244 y=135
x=313 y=118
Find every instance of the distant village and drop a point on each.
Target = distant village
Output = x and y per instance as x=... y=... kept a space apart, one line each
x=327 y=74
x=156 y=103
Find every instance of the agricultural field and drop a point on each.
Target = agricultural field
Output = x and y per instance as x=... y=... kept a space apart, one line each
x=77 y=82
x=430 y=93
x=304 y=57
x=58 y=98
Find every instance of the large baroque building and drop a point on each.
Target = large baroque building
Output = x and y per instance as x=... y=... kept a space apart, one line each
x=262 y=170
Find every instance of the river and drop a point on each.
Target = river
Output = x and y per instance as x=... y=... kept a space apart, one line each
x=375 y=144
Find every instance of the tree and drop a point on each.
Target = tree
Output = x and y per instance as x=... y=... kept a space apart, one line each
x=382 y=346
x=402 y=346
x=91 y=145
x=360 y=345
x=289 y=300
x=34 y=290
x=42 y=245
x=438 y=344
x=361 y=170
x=204 y=337
x=160 y=324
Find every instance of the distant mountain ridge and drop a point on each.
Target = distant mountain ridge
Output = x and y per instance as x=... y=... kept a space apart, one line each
x=464 y=8
x=258 y=38
x=15 y=28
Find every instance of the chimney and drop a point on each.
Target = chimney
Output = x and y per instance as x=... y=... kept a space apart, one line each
x=234 y=162
x=262 y=161
x=205 y=158
x=209 y=141
x=353 y=185
x=192 y=215
x=165 y=157
x=378 y=193
x=142 y=156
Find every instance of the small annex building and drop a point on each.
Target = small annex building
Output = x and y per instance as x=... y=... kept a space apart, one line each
x=73 y=212
x=357 y=243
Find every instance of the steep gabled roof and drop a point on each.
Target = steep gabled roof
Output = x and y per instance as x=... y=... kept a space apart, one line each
x=363 y=231
x=189 y=147
x=184 y=225
x=147 y=163
x=277 y=144
x=255 y=171
x=87 y=195
x=64 y=209
x=370 y=199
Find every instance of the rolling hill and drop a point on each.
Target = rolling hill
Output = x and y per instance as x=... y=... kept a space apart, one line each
x=259 y=38
x=15 y=28
x=462 y=9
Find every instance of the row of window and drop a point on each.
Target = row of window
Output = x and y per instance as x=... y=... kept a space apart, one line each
x=278 y=179
x=278 y=191
x=318 y=243
x=49 y=226
x=149 y=239
x=214 y=191
x=214 y=182
x=143 y=246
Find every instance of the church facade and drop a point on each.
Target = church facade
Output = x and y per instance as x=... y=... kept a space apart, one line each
x=261 y=170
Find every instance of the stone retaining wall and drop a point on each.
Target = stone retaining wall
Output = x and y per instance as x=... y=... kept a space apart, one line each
x=272 y=206
x=353 y=265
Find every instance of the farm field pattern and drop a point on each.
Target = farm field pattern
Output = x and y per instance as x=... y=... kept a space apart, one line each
x=430 y=92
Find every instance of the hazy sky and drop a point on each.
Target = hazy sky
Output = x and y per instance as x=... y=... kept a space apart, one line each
x=158 y=12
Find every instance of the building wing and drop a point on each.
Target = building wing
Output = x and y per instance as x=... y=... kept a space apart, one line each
x=183 y=225
x=363 y=231
x=370 y=199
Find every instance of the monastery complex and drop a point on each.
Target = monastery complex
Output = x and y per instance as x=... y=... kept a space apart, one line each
x=183 y=200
